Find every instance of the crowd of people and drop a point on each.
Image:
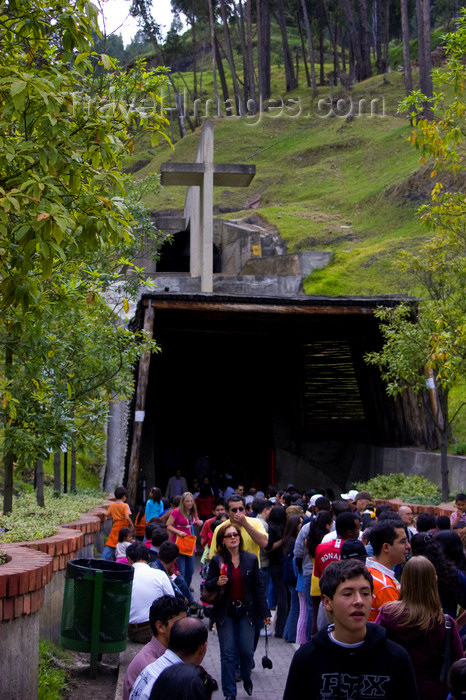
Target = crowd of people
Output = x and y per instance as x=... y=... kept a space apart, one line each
x=375 y=599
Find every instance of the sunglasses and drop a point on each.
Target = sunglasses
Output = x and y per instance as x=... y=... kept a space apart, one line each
x=235 y=510
x=229 y=536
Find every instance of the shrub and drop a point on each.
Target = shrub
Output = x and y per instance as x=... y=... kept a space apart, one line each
x=28 y=521
x=411 y=489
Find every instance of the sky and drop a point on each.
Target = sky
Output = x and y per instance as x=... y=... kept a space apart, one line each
x=118 y=19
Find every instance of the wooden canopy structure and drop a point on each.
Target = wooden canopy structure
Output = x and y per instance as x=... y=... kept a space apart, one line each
x=258 y=381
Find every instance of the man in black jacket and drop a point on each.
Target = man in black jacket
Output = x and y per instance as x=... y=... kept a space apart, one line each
x=352 y=658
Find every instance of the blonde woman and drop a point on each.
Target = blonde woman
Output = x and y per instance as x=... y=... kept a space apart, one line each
x=180 y=523
x=417 y=623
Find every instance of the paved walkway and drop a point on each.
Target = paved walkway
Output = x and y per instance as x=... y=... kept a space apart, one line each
x=269 y=684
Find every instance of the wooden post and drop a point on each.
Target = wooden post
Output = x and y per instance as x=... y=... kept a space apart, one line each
x=138 y=419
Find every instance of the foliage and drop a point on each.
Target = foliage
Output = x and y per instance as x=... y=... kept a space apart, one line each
x=396 y=52
x=432 y=337
x=53 y=681
x=3 y=557
x=29 y=522
x=70 y=224
x=411 y=489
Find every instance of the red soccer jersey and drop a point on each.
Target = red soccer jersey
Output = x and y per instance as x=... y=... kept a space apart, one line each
x=325 y=554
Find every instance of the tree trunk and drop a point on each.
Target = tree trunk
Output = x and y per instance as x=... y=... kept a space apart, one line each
x=8 y=459
x=386 y=36
x=336 y=64
x=420 y=44
x=244 y=50
x=354 y=39
x=140 y=402
x=428 y=86
x=290 y=78
x=252 y=86
x=443 y=418
x=8 y=462
x=263 y=48
x=364 y=36
x=230 y=59
x=57 y=474
x=40 y=483
x=212 y=45
x=379 y=35
x=307 y=26
x=73 y=467
x=221 y=74
x=303 y=47
x=192 y=20
x=405 y=38
x=321 y=50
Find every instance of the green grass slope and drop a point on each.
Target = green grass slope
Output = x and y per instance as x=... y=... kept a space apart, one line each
x=351 y=186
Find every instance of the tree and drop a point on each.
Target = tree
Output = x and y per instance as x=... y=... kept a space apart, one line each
x=67 y=121
x=429 y=339
x=405 y=39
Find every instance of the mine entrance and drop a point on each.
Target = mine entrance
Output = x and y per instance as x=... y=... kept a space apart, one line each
x=268 y=389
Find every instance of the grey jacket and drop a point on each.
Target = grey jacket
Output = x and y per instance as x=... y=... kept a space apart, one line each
x=300 y=550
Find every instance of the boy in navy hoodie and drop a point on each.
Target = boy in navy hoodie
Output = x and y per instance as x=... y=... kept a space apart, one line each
x=352 y=659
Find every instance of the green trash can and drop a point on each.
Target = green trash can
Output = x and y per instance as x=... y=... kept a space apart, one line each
x=96 y=605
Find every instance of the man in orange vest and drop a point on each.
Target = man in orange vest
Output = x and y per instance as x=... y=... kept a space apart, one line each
x=390 y=544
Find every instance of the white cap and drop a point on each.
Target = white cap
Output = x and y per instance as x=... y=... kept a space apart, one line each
x=350 y=496
x=314 y=498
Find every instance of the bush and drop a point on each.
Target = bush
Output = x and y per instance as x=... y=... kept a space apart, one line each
x=411 y=489
x=28 y=521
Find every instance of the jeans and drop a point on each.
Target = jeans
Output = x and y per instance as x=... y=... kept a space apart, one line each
x=292 y=621
x=309 y=608
x=276 y=573
x=186 y=567
x=108 y=553
x=236 y=637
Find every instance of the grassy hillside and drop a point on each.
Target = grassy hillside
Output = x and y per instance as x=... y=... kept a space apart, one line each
x=351 y=186
x=325 y=183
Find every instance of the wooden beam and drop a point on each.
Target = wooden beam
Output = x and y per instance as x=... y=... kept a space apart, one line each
x=139 y=408
x=280 y=309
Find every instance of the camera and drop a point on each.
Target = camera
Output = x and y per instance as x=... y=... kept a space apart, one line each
x=266 y=662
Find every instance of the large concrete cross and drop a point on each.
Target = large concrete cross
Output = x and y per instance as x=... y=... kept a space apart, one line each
x=201 y=177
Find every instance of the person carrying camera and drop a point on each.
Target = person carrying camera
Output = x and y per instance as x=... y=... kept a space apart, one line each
x=240 y=603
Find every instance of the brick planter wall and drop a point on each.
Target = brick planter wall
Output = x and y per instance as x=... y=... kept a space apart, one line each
x=23 y=581
x=442 y=509
x=31 y=597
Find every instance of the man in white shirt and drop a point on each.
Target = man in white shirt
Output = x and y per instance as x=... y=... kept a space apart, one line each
x=148 y=585
x=188 y=644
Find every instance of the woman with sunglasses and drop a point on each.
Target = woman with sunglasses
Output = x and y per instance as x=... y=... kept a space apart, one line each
x=241 y=602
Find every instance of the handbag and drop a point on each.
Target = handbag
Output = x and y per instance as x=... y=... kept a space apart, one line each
x=212 y=597
x=186 y=545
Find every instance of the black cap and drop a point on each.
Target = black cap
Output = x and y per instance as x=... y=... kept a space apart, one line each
x=353 y=549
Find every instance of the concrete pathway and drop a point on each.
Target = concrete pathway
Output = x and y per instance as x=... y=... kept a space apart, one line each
x=269 y=684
